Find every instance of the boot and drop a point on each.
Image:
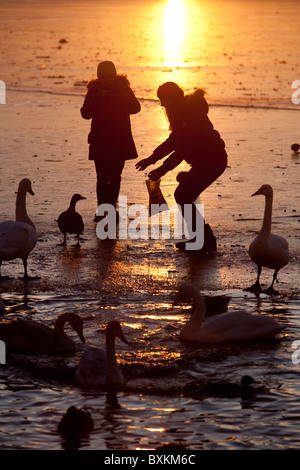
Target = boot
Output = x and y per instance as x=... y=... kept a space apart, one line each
x=210 y=242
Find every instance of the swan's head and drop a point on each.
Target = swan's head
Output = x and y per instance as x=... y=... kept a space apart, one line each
x=76 y=323
x=187 y=293
x=247 y=380
x=265 y=190
x=114 y=329
x=25 y=186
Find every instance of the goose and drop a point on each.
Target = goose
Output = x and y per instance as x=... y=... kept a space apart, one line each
x=76 y=421
x=70 y=221
x=18 y=237
x=32 y=337
x=267 y=249
x=98 y=367
x=234 y=325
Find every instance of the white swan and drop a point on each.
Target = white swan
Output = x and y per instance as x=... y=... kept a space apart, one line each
x=239 y=325
x=98 y=367
x=70 y=221
x=19 y=237
x=267 y=249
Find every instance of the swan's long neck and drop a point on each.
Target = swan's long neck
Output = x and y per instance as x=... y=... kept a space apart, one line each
x=112 y=368
x=21 y=212
x=110 y=351
x=59 y=331
x=267 y=222
x=198 y=314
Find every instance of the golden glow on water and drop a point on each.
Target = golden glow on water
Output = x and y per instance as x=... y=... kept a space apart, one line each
x=174 y=32
x=156 y=429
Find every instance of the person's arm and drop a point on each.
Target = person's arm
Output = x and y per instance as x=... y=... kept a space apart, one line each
x=169 y=164
x=160 y=152
x=88 y=109
x=130 y=101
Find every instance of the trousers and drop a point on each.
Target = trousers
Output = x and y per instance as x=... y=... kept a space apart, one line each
x=109 y=175
x=193 y=184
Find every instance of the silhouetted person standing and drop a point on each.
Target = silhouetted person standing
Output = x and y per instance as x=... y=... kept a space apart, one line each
x=109 y=102
x=193 y=139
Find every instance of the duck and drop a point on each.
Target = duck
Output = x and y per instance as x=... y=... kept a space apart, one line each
x=18 y=237
x=76 y=421
x=71 y=221
x=227 y=389
x=227 y=326
x=267 y=249
x=33 y=337
x=98 y=367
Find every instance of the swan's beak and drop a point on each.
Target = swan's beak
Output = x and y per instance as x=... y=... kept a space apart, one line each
x=82 y=337
x=31 y=192
x=256 y=193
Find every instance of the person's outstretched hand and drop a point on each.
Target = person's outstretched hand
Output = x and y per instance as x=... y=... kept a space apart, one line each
x=142 y=164
x=155 y=175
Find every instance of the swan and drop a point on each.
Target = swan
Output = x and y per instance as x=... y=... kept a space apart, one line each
x=70 y=221
x=267 y=249
x=239 y=325
x=32 y=337
x=98 y=367
x=76 y=421
x=19 y=237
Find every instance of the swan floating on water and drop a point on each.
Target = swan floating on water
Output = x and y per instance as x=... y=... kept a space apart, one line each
x=32 y=337
x=71 y=221
x=19 y=237
x=235 y=325
x=99 y=367
x=268 y=250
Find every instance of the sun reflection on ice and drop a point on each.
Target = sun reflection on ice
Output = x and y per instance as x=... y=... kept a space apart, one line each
x=174 y=32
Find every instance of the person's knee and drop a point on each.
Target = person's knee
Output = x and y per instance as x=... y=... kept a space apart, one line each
x=179 y=196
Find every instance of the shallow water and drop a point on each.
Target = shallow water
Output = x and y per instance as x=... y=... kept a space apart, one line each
x=164 y=400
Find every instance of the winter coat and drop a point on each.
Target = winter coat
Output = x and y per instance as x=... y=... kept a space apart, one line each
x=193 y=138
x=109 y=105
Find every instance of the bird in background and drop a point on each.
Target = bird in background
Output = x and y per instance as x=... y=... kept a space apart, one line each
x=267 y=249
x=18 y=237
x=71 y=221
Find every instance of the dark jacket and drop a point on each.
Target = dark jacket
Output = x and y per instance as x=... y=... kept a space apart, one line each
x=109 y=106
x=193 y=138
